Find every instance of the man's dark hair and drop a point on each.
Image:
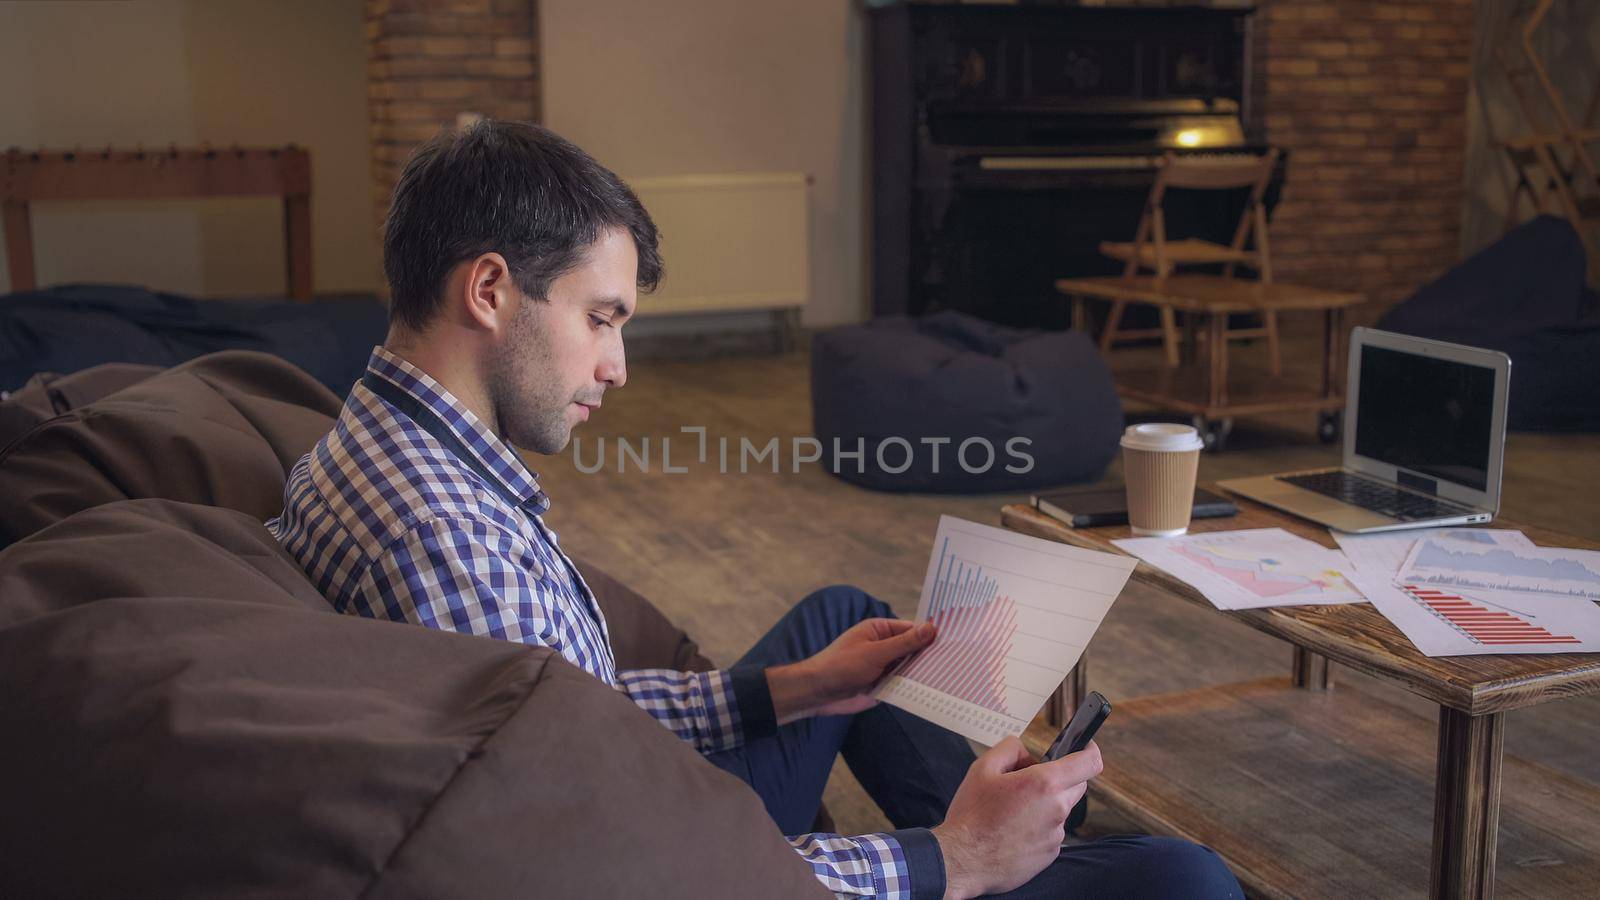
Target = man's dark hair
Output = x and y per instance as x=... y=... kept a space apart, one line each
x=511 y=188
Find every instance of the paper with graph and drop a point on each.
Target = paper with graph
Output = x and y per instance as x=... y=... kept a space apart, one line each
x=1014 y=614
x=1474 y=621
x=1385 y=552
x=1467 y=567
x=1251 y=568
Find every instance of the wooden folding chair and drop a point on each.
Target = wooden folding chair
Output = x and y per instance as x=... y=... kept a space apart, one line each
x=1151 y=250
x=1557 y=160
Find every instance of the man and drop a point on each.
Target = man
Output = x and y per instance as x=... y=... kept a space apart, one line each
x=514 y=261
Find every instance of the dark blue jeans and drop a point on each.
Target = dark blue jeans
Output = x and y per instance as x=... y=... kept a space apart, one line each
x=911 y=769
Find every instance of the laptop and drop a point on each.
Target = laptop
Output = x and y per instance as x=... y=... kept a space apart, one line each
x=1424 y=440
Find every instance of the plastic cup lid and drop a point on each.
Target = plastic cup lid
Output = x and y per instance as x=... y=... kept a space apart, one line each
x=1161 y=436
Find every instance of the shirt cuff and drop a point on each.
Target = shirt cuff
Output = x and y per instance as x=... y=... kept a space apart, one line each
x=753 y=697
x=924 y=862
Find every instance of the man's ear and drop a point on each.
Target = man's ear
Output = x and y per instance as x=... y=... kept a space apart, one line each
x=491 y=298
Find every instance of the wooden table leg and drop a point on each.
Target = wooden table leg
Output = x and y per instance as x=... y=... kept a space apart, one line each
x=297 y=245
x=1169 y=336
x=1333 y=353
x=1466 y=804
x=1058 y=700
x=1080 y=315
x=1312 y=670
x=1069 y=696
x=1187 y=356
x=1217 y=351
x=19 y=246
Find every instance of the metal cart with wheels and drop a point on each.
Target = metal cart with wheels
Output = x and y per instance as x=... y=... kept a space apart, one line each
x=1198 y=386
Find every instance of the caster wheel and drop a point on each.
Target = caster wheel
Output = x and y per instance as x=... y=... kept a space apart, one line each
x=1214 y=432
x=1330 y=425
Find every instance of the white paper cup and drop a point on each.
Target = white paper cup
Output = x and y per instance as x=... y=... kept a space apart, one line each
x=1159 y=462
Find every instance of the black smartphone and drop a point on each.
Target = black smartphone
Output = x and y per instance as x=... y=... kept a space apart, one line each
x=1085 y=722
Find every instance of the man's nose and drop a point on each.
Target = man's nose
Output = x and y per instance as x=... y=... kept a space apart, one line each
x=613 y=369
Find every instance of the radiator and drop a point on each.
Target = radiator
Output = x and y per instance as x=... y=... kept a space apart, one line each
x=730 y=242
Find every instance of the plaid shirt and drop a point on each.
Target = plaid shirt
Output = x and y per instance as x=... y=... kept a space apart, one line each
x=393 y=520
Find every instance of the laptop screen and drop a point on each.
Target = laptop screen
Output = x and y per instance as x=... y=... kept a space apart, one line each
x=1428 y=415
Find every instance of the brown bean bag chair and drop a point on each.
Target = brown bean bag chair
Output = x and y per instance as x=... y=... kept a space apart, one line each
x=222 y=430
x=49 y=394
x=188 y=717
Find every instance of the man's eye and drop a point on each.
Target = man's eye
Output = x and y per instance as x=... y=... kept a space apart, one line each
x=598 y=321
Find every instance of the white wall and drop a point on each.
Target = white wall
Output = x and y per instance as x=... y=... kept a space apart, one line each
x=650 y=88
x=157 y=72
x=724 y=86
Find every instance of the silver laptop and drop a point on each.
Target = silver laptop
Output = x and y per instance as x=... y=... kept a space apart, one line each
x=1424 y=440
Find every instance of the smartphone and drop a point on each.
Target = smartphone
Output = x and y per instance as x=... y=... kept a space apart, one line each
x=1085 y=722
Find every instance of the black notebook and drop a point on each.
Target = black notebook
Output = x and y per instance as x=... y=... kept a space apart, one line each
x=1109 y=506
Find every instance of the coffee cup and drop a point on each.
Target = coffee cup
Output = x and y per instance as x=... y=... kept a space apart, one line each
x=1159 y=462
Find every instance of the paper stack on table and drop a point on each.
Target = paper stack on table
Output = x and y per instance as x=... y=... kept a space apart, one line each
x=1452 y=591
x=1251 y=568
x=1385 y=552
x=1514 y=570
x=1472 y=591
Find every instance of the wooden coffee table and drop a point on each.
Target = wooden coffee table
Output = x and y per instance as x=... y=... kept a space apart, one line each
x=1306 y=791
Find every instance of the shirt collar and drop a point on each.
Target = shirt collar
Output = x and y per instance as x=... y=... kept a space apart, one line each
x=493 y=455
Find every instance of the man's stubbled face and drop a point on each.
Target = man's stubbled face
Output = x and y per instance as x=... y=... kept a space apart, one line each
x=561 y=353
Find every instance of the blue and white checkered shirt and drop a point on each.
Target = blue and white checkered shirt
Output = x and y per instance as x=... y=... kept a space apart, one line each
x=390 y=521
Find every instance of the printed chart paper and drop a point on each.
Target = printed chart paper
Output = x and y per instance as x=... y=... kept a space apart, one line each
x=1385 y=552
x=1251 y=568
x=1474 y=622
x=1014 y=614
x=1451 y=565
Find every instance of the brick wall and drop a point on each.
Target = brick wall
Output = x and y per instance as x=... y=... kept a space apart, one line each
x=1370 y=98
x=429 y=61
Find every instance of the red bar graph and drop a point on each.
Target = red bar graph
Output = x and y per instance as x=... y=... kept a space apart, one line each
x=976 y=625
x=968 y=658
x=1482 y=624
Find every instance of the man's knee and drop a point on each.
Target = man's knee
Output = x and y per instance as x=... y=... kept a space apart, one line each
x=1186 y=869
x=845 y=604
x=1151 y=868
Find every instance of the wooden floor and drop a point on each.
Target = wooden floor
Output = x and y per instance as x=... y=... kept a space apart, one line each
x=724 y=555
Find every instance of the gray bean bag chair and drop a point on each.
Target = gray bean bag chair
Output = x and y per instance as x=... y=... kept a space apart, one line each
x=953 y=404
x=70 y=327
x=1525 y=296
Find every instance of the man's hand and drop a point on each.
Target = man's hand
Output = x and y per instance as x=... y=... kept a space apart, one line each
x=835 y=682
x=1008 y=818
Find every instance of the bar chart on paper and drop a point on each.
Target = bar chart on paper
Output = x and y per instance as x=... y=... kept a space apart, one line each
x=1485 y=622
x=980 y=624
x=1014 y=613
x=1444 y=621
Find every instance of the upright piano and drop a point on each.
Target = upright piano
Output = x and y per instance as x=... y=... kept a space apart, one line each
x=1008 y=141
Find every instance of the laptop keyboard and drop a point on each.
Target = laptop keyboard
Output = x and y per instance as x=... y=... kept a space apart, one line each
x=1376 y=496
